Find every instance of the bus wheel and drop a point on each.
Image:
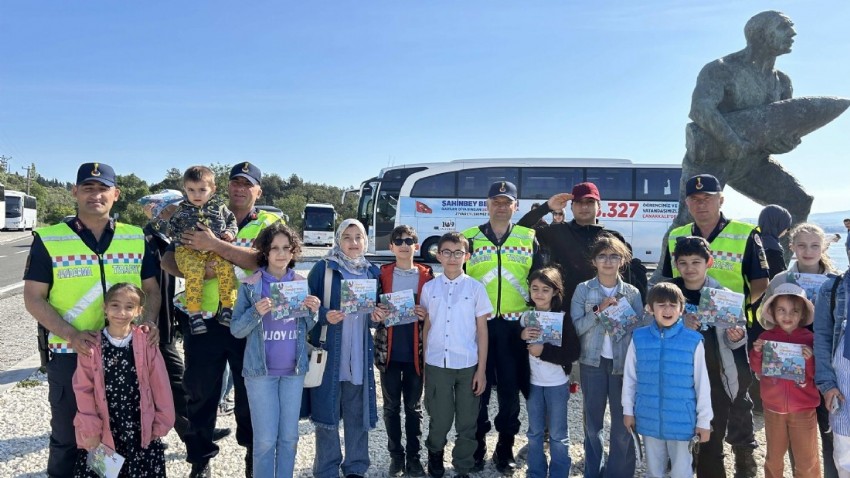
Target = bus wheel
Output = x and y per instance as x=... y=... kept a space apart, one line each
x=429 y=250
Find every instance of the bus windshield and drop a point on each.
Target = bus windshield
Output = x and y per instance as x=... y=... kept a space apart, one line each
x=13 y=206
x=319 y=219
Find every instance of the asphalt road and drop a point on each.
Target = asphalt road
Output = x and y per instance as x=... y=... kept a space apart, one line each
x=14 y=247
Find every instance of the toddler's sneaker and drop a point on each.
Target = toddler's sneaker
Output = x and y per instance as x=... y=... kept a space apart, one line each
x=225 y=316
x=197 y=325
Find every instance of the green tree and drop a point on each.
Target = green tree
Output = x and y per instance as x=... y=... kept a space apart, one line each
x=127 y=207
x=173 y=180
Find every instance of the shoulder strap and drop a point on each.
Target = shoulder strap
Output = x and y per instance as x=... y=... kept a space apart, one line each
x=326 y=300
x=835 y=286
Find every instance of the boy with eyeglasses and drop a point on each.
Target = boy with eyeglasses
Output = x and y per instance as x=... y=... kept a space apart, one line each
x=398 y=355
x=692 y=258
x=456 y=309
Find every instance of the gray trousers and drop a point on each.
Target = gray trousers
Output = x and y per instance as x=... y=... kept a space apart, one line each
x=449 y=398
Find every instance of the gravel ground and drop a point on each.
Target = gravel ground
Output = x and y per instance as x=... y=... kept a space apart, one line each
x=24 y=426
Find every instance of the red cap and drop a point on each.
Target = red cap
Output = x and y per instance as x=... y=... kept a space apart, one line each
x=585 y=190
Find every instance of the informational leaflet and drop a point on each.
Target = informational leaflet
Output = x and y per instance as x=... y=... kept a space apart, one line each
x=619 y=319
x=551 y=325
x=809 y=282
x=288 y=300
x=783 y=360
x=104 y=461
x=400 y=306
x=721 y=308
x=358 y=296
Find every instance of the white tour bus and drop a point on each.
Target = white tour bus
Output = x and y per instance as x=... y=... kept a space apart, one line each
x=319 y=221
x=21 y=211
x=638 y=200
x=2 y=201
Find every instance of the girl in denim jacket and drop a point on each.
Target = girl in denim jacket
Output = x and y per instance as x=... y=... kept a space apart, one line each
x=275 y=351
x=602 y=358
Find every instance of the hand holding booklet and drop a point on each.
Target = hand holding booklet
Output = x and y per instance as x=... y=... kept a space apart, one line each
x=551 y=325
x=288 y=299
x=400 y=306
x=619 y=319
x=721 y=308
x=358 y=296
x=105 y=462
x=783 y=360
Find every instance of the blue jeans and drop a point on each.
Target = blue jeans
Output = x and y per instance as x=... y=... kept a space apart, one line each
x=274 y=417
x=600 y=386
x=547 y=407
x=328 y=454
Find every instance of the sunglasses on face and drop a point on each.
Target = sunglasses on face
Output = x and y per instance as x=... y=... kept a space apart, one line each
x=407 y=240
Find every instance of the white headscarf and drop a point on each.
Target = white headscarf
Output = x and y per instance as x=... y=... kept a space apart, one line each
x=358 y=265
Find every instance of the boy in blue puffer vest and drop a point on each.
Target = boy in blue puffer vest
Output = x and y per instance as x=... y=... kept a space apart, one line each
x=666 y=393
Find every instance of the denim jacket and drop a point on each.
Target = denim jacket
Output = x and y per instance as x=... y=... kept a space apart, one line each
x=247 y=322
x=590 y=330
x=827 y=327
x=324 y=409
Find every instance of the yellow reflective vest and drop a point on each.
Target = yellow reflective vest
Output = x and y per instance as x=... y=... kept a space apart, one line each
x=727 y=249
x=81 y=277
x=503 y=269
x=244 y=238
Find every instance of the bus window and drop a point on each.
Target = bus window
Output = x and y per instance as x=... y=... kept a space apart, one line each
x=613 y=183
x=657 y=184
x=543 y=183
x=437 y=186
x=475 y=183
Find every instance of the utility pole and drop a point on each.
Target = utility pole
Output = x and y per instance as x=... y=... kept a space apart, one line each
x=4 y=163
x=30 y=170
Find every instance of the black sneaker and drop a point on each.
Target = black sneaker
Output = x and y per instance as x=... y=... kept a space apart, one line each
x=225 y=316
x=396 y=466
x=201 y=470
x=414 y=467
x=220 y=433
x=436 y=469
x=197 y=325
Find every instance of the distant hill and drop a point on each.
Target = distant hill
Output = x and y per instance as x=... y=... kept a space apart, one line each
x=829 y=221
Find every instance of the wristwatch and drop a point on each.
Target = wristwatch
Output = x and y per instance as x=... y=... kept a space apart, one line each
x=595 y=309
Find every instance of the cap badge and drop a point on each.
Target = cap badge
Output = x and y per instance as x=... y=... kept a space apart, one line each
x=502 y=188
x=245 y=167
x=699 y=185
x=94 y=171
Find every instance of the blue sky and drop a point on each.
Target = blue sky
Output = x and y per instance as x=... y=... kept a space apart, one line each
x=333 y=91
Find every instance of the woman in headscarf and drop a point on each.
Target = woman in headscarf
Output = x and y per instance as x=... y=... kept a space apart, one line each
x=347 y=390
x=774 y=222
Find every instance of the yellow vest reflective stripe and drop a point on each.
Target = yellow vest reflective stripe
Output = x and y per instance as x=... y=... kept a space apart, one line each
x=727 y=249
x=516 y=255
x=78 y=284
x=244 y=238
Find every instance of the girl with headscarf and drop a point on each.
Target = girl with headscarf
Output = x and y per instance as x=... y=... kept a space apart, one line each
x=347 y=390
x=774 y=222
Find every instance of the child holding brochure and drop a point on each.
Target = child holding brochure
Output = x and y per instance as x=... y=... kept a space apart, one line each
x=398 y=356
x=725 y=351
x=603 y=356
x=347 y=390
x=550 y=367
x=666 y=392
x=275 y=351
x=789 y=405
x=112 y=409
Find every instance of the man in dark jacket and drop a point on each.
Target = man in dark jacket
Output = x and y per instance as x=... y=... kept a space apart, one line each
x=569 y=243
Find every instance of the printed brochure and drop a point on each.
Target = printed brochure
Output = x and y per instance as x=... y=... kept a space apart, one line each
x=721 y=308
x=105 y=462
x=619 y=319
x=809 y=282
x=783 y=360
x=400 y=306
x=358 y=296
x=551 y=325
x=288 y=300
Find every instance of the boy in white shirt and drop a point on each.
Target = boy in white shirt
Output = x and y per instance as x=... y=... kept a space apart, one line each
x=455 y=341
